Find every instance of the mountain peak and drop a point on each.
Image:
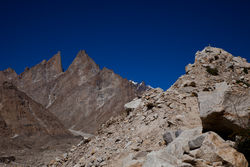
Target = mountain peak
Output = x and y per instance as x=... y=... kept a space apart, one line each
x=81 y=56
x=83 y=62
x=82 y=53
x=55 y=63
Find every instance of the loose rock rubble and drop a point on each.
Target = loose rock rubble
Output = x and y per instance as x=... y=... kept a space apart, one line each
x=173 y=128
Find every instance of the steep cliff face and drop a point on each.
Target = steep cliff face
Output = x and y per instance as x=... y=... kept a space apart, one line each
x=26 y=127
x=174 y=128
x=82 y=97
x=91 y=103
x=36 y=81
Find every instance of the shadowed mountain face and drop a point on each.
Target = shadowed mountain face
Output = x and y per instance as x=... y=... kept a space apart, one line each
x=21 y=116
x=83 y=97
x=26 y=127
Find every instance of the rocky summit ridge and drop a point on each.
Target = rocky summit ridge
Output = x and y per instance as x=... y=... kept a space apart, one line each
x=200 y=121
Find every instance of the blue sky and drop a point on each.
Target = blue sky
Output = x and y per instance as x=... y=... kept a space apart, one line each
x=139 y=39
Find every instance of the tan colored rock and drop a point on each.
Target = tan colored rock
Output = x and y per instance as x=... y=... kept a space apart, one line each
x=173 y=153
x=213 y=73
x=215 y=149
x=133 y=104
x=83 y=97
x=226 y=108
x=212 y=150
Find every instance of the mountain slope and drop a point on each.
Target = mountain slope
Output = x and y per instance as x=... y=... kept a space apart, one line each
x=82 y=97
x=173 y=128
x=26 y=127
x=26 y=117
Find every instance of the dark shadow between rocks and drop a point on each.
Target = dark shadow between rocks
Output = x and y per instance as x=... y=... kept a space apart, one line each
x=228 y=131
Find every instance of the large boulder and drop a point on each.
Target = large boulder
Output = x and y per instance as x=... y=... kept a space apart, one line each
x=173 y=153
x=225 y=110
x=214 y=150
x=133 y=104
x=193 y=149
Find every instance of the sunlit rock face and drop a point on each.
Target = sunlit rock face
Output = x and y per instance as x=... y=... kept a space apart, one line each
x=82 y=97
x=221 y=83
x=195 y=123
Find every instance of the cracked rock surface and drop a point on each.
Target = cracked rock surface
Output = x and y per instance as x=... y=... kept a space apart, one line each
x=177 y=127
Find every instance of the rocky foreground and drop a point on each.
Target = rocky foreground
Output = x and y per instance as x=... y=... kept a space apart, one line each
x=201 y=121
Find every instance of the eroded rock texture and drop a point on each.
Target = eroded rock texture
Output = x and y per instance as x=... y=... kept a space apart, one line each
x=26 y=127
x=82 y=97
x=43 y=106
x=23 y=116
x=173 y=128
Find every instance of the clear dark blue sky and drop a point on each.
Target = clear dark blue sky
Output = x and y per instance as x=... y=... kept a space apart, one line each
x=138 y=39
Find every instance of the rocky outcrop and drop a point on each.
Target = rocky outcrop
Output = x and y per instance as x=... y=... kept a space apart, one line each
x=221 y=83
x=225 y=107
x=127 y=139
x=37 y=81
x=132 y=105
x=193 y=149
x=214 y=150
x=82 y=97
x=173 y=128
x=173 y=153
